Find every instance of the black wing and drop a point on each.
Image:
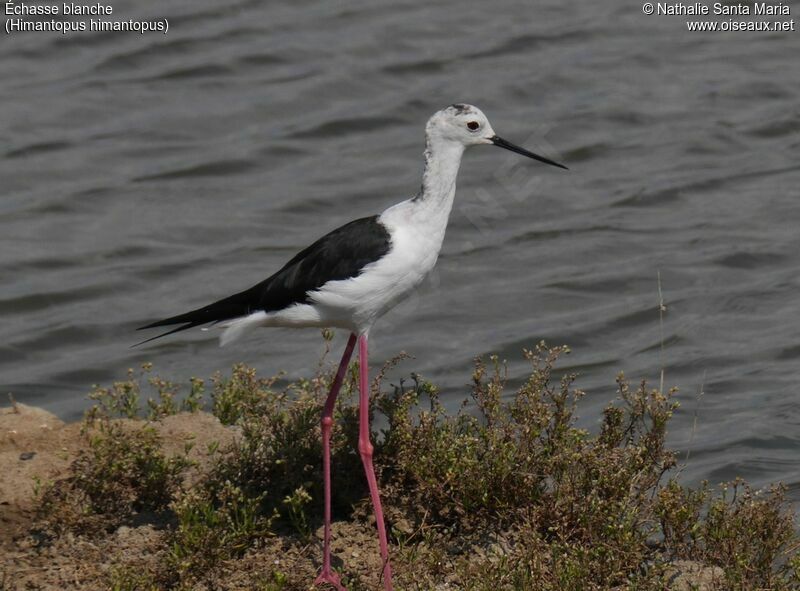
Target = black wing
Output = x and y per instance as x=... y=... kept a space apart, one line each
x=341 y=254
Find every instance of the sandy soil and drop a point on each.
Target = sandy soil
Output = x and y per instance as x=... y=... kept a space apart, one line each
x=37 y=446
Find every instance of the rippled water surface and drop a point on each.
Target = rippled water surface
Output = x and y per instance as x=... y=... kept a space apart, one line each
x=144 y=175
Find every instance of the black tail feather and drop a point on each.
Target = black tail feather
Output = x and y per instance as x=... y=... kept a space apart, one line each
x=186 y=326
x=239 y=304
x=199 y=316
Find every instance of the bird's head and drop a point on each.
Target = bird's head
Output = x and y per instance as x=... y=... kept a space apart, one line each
x=468 y=126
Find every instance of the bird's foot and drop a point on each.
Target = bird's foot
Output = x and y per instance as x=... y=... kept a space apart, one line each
x=331 y=578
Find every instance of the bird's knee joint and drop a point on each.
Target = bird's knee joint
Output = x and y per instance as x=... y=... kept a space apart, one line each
x=327 y=421
x=365 y=448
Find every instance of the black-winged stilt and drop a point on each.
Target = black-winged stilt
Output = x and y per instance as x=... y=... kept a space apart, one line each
x=352 y=276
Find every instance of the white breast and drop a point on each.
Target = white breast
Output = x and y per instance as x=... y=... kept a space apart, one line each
x=415 y=244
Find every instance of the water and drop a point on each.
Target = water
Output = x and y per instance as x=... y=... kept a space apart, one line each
x=147 y=175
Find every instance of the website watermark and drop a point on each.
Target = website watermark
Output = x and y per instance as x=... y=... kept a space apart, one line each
x=723 y=16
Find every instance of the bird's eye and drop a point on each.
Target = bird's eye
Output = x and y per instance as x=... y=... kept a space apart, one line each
x=473 y=125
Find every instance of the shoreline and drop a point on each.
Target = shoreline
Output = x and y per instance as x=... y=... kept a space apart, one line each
x=229 y=499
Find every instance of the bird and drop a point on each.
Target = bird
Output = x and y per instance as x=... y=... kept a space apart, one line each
x=351 y=277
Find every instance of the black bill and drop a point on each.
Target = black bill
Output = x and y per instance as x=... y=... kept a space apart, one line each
x=500 y=142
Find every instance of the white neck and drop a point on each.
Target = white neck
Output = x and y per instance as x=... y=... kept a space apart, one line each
x=427 y=213
x=442 y=160
x=417 y=226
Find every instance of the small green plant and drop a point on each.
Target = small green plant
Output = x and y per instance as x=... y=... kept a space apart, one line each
x=279 y=453
x=123 y=399
x=127 y=578
x=126 y=471
x=122 y=472
x=164 y=405
x=240 y=395
x=39 y=488
x=745 y=532
x=679 y=512
x=193 y=402
x=296 y=505
x=211 y=529
x=278 y=581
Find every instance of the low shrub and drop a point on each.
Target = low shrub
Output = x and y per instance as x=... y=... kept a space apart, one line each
x=122 y=472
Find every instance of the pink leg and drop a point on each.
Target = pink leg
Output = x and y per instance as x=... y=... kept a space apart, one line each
x=327 y=575
x=365 y=449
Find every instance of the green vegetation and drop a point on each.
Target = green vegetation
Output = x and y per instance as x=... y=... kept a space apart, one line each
x=210 y=529
x=122 y=473
x=123 y=399
x=505 y=494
